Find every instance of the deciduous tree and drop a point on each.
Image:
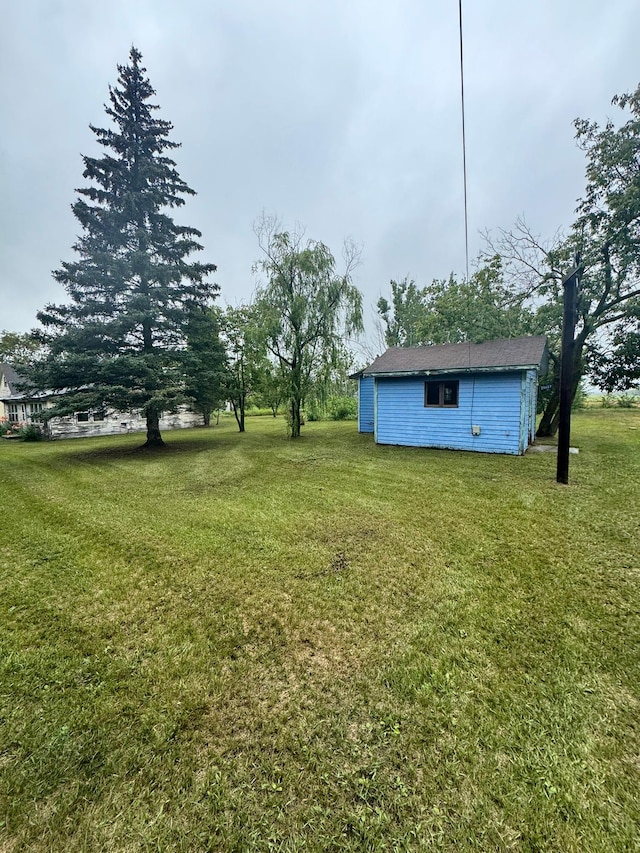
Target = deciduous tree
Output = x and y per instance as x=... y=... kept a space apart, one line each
x=205 y=362
x=405 y=317
x=331 y=384
x=606 y=237
x=443 y=312
x=19 y=349
x=306 y=308
x=270 y=385
x=245 y=353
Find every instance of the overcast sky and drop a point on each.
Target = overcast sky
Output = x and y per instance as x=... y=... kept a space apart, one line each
x=341 y=115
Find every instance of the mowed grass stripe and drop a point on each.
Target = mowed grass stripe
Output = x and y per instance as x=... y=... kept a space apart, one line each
x=247 y=643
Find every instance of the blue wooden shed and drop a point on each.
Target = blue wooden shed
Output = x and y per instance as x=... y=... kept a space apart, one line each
x=458 y=396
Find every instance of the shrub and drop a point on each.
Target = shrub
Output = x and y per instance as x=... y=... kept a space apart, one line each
x=10 y=428
x=31 y=432
x=313 y=411
x=343 y=408
x=627 y=401
x=579 y=401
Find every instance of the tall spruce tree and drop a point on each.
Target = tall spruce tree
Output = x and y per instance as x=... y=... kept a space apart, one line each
x=120 y=341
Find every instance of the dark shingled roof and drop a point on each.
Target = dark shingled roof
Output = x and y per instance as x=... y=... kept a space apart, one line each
x=10 y=377
x=509 y=353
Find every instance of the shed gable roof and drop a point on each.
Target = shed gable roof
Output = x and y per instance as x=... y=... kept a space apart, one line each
x=504 y=354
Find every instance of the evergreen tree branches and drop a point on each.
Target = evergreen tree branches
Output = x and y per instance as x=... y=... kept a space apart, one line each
x=120 y=340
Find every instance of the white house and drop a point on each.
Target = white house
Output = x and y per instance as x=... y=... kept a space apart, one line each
x=19 y=408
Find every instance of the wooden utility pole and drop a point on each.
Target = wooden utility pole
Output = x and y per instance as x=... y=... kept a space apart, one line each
x=570 y=287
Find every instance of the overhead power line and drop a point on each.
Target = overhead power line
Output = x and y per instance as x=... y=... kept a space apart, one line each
x=464 y=146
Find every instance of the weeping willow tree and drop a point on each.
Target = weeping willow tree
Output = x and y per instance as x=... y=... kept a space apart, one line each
x=305 y=309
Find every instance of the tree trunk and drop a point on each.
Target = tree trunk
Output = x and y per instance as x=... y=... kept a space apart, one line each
x=154 y=439
x=296 y=419
x=238 y=411
x=550 y=420
x=551 y=415
x=295 y=401
x=206 y=417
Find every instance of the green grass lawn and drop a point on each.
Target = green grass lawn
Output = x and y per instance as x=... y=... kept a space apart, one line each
x=244 y=643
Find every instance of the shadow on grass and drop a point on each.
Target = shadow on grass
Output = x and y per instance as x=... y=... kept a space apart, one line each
x=118 y=451
x=218 y=440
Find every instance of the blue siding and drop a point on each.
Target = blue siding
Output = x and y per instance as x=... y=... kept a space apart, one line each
x=532 y=385
x=365 y=404
x=497 y=403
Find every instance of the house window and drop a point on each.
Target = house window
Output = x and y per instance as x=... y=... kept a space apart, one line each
x=82 y=417
x=441 y=394
x=35 y=409
x=98 y=415
x=14 y=417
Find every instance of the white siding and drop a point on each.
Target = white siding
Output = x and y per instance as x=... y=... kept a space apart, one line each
x=117 y=423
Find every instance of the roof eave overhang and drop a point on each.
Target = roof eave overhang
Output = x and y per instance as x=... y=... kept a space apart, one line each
x=19 y=398
x=450 y=370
